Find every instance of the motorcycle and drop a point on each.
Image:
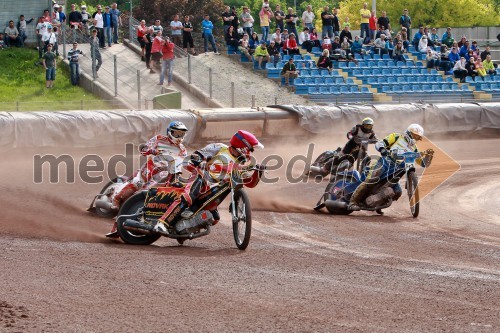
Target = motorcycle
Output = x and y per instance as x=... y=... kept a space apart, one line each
x=114 y=193
x=340 y=162
x=340 y=189
x=139 y=214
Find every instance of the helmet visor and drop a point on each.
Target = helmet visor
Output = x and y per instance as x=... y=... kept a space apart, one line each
x=416 y=137
x=367 y=126
x=178 y=134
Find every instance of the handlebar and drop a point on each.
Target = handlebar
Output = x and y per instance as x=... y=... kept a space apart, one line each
x=365 y=141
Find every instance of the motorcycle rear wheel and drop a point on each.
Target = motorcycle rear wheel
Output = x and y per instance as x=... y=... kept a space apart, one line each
x=329 y=188
x=101 y=212
x=413 y=195
x=242 y=228
x=129 y=207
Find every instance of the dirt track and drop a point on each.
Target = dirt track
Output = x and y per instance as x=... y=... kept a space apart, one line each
x=303 y=272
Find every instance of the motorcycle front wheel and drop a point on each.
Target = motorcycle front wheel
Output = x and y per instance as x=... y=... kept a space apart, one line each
x=242 y=220
x=134 y=205
x=411 y=188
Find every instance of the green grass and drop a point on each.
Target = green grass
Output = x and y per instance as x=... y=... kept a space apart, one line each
x=22 y=86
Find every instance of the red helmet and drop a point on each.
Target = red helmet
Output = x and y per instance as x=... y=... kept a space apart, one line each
x=244 y=142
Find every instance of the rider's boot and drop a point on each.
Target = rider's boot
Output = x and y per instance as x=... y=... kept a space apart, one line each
x=166 y=223
x=114 y=231
x=216 y=216
x=358 y=196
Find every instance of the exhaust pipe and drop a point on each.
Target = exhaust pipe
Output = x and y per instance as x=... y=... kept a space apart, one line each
x=104 y=204
x=136 y=226
x=332 y=205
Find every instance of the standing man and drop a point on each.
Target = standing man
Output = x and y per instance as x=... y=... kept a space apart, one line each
x=62 y=16
x=279 y=16
x=73 y=56
x=99 y=25
x=291 y=22
x=206 y=28
x=336 y=23
x=327 y=21
x=405 y=22
x=187 y=37
x=107 y=25
x=95 y=53
x=384 y=21
x=116 y=21
x=167 y=62
x=176 y=27
x=21 y=27
x=236 y=22
x=227 y=19
x=75 y=18
x=308 y=18
x=247 y=21
x=50 y=65
x=365 y=22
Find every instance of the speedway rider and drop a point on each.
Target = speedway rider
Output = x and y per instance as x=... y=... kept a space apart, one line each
x=393 y=143
x=359 y=132
x=215 y=162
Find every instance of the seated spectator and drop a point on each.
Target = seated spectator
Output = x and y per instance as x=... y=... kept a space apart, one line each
x=459 y=70
x=324 y=61
x=291 y=47
x=433 y=59
x=274 y=52
x=398 y=52
x=389 y=46
x=346 y=47
x=327 y=43
x=488 y=65
x=475 y=49
x=289 y=71
x=423 y=45
x=12 y=35
x=462 y=41
x=485 y=52
x=277 y=37
x=346 y=34
x=447 y=38
x=417 y=37
x=357 y=46
x=434 y=41
x=284 y=35
x=232 y=37
x=380 y=31
x=470 y=66
x=379 y=45
x=304 y=40
x=313 y=37
x=244 y=46
x=2 y=42
x=21 y=27
x=337 y=47
x=469 y=54
x=464 y=49
x=404 y=37
x=449 y=60
x=254 y=41
x=261 y=54
x=481 y=71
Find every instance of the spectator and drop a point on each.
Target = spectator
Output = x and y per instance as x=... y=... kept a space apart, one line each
x=488 y=65
x=116 y=21
x=142 y=30
x=313 y=36
x=327 y=43
x=12 y=35
x=232 y=37
x=289 y=71
x=346 y=23
x=346 y=47
x=469 y=54
x=434 y=40
x=284 y=35
x=206 y=27
x=244 y=46
x=55 y=16
x=389 y=46
x=474 y=46
x=73 y=57
x=95 y=54
x=156 y=47
x=398 y=52
x=337 y=47
x=470 y=66
x=61 y=15
x=448 y=61
x=308 y=18
x=167 y=63
x=384 y=21
x=346 y=34
x=227 y=19
x=149 y=46
x=247 y=21
x=176 y=27
x=324 y=61
x=365 y=23
x=481 y=71
x=379 y=45
x=327 y=21
x=453 y=56
x=187 y=37
x=277 y=37
x=46 y=16
x=2 y=42
x=462 y=41
x=336 y=23
x=99 y=25
x=417 y=38
x=304 y=39
x=21 y=27
x=85 y=20
x=279 y=16
x=49 y=38
x=372 y=24
x=485 y=52
x=464 y=49
x=254 y=41
x=107 y=26
x=265 y=15
x=75 y=18
x=433 y=59
x=447 y=38
x=291 y=22
x=50 y=65
x=404 y=37
x=291 y=47
x=274 y=52
x=261 y=54
x=423 y=46
x=459 y=69
x=357 y=46
x=41 y=29
x=405 y=22
x=157 y=27
x=236 y=22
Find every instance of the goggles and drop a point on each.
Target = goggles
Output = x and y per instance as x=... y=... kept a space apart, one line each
x=178 y=134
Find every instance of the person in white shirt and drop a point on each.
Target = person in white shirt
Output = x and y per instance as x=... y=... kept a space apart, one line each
x=278 y=38
x=176 y=27
x=99 y=25
x=308 y=17
x=49 y=38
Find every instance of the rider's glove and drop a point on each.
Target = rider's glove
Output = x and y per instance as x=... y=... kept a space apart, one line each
x=260 y=167
x=429 y=151
x=384 y=152
x=196 y=159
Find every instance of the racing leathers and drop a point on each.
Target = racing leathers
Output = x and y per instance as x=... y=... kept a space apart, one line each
x=213 y=165
x=394 y=143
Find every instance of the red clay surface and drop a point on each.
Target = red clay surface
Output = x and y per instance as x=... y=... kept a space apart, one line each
x=303 y=271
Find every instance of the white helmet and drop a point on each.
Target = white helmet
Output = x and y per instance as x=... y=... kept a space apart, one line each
x=176 y=131
x=414 y=132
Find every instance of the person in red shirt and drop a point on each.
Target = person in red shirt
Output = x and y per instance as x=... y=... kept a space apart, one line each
x=291 y=45
x=372 y=23
x=167 y=63
x=142 y=30
x=156 y=49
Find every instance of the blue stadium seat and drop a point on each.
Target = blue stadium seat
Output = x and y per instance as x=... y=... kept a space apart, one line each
x=344 y=89
x=319 y=81
x=386 y=89
x=416 y=88
x=270 y=65
x=386 y=56
x=315 y=72
x=297 y=57
x=313 y=91
x=329 y=81
x=400 y=64
x=391 y=79
x=307 y=57
x=376 y=56
x=285 y=57
x=334 y=90
x=354 y=89
x=365 y=90
x=324 y=73
x=324 y=90
x=316 y=50
x=339 y=80
x=349 y=81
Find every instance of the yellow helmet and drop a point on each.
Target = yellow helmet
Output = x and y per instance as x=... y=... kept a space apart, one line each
x=367 y=121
